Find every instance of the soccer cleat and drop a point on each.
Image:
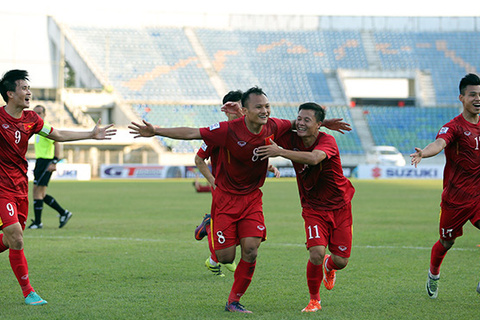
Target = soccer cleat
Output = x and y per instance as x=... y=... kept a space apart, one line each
x=35 y=226
x=64 y=218
x=235 y=306
x=230 y=266
x=33 y=299
x=432 y=285
x=329 y=277
x=313 y=305
x=478 y=287
x=201 y=230
x=215 y=269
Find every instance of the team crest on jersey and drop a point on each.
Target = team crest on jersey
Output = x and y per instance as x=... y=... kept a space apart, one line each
x=214 y=126
x=467 y=133
x=267 y=139
x=5 y=126
x=28 y=126
x=242 y=143
x=443 y=130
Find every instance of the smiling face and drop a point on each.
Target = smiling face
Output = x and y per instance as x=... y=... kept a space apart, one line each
x=257 y=109
x=471 y=100
x=21 y=97
x=306 y=124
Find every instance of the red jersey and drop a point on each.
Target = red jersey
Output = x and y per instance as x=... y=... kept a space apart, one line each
x=239 y=169
x=461 y=176
x=323 y=186
x=14 y=135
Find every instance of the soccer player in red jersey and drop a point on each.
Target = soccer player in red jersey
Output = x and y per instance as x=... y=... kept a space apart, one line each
x=460 y=139
x=238 y=214
x=325 y=196
x=17 y=125
x=203 y=154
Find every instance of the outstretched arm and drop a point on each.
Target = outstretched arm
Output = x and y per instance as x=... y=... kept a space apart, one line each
x=306 y=157
x=148 y=130
x=98 y=133
x=430 y=150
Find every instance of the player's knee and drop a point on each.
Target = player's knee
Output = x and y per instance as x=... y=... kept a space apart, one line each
x=316 y=257
x=340 y=262
x=15 y=242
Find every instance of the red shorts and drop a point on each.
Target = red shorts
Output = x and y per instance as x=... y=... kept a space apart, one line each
x=12 y=210
x=332 y=228
x=235 y=217
x=452 y=220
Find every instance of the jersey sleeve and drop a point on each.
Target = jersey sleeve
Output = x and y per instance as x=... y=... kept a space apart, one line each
x=447 y=132
x=205 y=151
x=45 y=130
x=216 y=134
x=283 y=126
x=328 y=145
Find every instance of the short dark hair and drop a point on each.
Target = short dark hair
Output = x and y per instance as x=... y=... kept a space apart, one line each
x=470 y=79
x=318 y=109
x=40 y=106
x=253 y=90
x=9 y=81
x=233 y=96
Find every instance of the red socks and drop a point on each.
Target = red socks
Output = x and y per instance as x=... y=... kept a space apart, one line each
x=436 y=258
x=314 y=279
x=243 y=276
x=20 y=269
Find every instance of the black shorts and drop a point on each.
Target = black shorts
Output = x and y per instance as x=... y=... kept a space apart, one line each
x=40 y=174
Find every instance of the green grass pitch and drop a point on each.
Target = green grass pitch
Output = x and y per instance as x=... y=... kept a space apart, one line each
x=129 y=253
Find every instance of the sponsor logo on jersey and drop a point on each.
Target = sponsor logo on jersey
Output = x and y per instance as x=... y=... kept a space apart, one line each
x=342 y=248
x=5 y=126
x=260 y=227
x=467 y=133
x=443 y=130
x=214 y=126
x=241 y=143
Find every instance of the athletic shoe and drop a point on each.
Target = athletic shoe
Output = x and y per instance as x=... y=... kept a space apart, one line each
x=215 y=269
x=64 y=218
x=230 y=266
x=313 y=305
x=33 y=299
x=478 y=287
x=35 y=226
x=432 y=285
x=201 y=230
x=329 y=277
x=235 y=306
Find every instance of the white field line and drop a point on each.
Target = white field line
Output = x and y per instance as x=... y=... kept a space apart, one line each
x=266 y=244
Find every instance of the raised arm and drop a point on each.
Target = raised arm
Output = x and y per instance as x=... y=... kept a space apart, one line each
x=98 y=133
x=148 y=130
x=306 y=157
x=430 y=150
